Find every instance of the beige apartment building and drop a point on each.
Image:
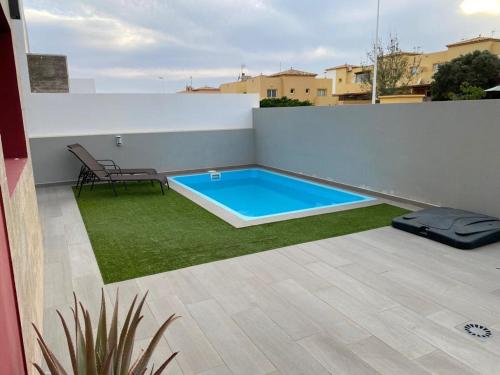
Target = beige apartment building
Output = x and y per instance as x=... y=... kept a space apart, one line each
x=344 y=84
x=347 y=80
x=292 y=83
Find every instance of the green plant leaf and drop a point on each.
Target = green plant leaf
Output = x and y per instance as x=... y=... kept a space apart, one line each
x=51 y=364
x=89 y=340
x=84 y=352
x=130 y=336
x=69 y=342
x=144 y=359
x=101 y=343
x=39 y=369
x=49 y=357
x=113 y=333
x=79 y=341
x=129 y=345
x=123 y=335
x=107 y=366
x=165 y=364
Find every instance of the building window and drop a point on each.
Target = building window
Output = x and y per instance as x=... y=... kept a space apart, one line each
x=307 y=91
x=321 y=92
x=435 y=67
x=292 y=91
x=362 y=77
x=340 y=80
x=272 y=93
x=414 y=71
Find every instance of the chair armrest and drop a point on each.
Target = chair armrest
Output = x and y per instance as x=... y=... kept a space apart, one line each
x=110 y=163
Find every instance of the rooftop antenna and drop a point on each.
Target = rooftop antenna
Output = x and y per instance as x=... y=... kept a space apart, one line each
x=493 y=33
x=280 y=66
x=191 y=81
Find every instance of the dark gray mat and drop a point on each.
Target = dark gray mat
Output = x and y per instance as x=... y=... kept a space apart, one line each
x=457 y=228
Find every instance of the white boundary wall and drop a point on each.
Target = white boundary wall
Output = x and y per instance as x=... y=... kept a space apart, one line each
x=49 y=115
x=441 y=153
x=82 y=86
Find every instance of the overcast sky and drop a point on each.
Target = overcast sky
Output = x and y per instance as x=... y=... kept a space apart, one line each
x=126 y=45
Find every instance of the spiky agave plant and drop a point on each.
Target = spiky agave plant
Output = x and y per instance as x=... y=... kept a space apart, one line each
x=110 y=354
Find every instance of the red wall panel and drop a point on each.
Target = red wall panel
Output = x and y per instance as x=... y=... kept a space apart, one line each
x=12 y=358
x=11 y=345
x=11 y=120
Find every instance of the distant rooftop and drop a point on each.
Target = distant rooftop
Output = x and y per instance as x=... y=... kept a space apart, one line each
x=343 y=66
x=200 y=90
x=293 y=72
x=244 y=77
x=350 y=66
x=478 y=39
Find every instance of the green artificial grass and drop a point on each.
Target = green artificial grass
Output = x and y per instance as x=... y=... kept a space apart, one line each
x=142 y=232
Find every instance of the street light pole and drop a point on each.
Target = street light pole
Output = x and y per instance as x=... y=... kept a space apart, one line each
x=375 y=66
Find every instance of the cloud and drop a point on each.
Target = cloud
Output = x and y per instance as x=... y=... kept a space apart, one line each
x=99 y=31
x=490 y=7
x=297 y=57
x=321 y=52
x=128 y=44
x=169 y=74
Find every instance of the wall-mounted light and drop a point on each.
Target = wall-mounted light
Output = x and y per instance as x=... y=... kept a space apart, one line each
x=119 y=140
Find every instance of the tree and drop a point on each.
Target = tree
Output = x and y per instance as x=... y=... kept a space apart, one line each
x=468 y=92
x=479 y=69
x=396 y=69
x=283 y=102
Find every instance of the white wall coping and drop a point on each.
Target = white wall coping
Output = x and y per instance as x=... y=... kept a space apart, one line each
x=138 y=131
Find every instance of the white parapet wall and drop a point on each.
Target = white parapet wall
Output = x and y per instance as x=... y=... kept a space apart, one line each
x=52 y=115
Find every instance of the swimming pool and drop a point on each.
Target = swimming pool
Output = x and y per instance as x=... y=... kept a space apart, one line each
x=258 y=193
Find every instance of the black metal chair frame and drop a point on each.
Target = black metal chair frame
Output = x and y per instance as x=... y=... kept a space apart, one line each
x=88 y=175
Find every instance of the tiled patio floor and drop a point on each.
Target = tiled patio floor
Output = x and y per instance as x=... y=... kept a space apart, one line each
x=380 y=301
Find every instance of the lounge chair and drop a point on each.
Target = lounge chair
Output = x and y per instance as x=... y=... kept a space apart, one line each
x=95 y=170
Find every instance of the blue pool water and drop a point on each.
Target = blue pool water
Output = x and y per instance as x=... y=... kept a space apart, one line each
x=256 y=193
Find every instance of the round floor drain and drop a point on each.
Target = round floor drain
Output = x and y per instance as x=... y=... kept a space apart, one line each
x=477 y=330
